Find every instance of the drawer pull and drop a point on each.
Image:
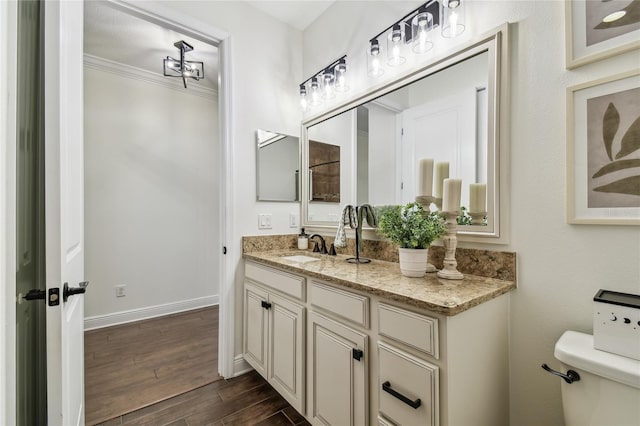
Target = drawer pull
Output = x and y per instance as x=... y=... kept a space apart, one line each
x=266 y=305
x=386 y=386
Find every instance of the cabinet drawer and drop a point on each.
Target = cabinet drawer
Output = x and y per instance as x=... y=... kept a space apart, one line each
x=407 y=388
x=350 y=306
x=415 y=330
x=292 y=285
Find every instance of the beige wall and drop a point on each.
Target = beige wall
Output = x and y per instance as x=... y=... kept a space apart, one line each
x=560 y=266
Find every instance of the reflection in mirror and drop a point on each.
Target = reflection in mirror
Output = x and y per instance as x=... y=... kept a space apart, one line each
x=449 y=113
x=277 y=165
x=324 y=172
x=337 y=132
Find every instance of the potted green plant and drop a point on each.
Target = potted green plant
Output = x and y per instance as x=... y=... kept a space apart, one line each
x=413 y=229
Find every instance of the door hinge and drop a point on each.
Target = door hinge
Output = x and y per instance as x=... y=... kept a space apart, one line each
x=224 y=249
x=357 y=354
x=401 y=185
x=266 y=304
x=54 y=296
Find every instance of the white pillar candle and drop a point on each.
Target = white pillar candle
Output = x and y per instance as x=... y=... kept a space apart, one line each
x=442 y=173
x=477 y=197
x=425 y=177
x=451 y=195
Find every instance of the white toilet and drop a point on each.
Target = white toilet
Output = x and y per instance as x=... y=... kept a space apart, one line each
x=608 y=392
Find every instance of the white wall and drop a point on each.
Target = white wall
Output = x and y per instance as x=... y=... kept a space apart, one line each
x=560 y=266
x=151 y=194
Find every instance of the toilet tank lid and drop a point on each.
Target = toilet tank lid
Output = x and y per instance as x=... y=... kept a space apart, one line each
x=576 y=350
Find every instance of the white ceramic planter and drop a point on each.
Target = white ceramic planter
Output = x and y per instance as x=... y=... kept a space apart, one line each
x=413 y=262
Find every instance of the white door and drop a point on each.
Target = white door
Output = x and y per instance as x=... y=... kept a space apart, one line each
x=426 y=127
x=64 y=209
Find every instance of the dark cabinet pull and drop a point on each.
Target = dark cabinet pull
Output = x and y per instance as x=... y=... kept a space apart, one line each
x=266 y=305
x=357 y=354
x=386 y=386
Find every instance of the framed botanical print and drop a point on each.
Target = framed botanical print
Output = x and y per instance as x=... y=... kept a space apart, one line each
x=598 y=29
x=603 y=151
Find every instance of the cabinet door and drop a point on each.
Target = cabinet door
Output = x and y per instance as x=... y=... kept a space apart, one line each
x=255 y=328
x=286 y=350
x=338 y=380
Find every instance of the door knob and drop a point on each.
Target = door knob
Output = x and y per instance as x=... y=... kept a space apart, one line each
x=70 y=291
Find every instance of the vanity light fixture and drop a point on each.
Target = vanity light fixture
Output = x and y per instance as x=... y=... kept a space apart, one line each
x=395 y=45
x=452 y=18
x=421 y=26
x=416 y=29
x=183 y=68
x=374 y=67
x=304 y=102
x=324 y=84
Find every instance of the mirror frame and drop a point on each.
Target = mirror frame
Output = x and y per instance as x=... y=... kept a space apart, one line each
x=496 y=42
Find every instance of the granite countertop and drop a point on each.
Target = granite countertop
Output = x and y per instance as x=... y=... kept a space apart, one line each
x=381 y=278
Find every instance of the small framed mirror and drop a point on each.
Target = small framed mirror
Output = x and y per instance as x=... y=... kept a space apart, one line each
x=277 y=166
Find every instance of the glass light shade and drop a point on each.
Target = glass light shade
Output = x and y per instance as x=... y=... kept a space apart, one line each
x=316 y=96
x=452 y=18
x=304 y=102
x=395 y=46
x=328 y=84
x=421 y=26
x=340 y=72
x=374 y=62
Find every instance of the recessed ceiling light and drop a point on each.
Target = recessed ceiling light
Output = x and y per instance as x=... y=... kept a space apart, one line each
x=614 y=16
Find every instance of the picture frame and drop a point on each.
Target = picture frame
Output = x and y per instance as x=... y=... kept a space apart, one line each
x=603 y=151
x=589 y=38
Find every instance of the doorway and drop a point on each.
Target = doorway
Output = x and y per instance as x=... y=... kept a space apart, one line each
x=152 y=186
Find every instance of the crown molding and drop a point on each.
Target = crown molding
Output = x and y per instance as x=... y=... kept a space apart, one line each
x=140 y=74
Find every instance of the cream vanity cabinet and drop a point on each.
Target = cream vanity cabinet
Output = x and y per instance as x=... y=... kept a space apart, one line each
x=370 y=360
x=274 y=330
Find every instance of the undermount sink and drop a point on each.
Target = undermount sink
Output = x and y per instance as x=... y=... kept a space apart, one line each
x=300 y=258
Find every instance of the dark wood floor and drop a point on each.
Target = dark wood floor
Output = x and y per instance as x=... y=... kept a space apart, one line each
x=244 y=400
x=163 y=371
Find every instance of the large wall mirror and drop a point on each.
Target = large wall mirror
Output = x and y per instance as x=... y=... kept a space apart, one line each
x=453 y=110
x=277 y=166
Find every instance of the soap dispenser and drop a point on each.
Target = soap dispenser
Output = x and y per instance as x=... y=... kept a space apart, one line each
x=303 y=240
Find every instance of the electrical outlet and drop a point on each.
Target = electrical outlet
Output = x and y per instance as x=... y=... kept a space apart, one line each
x=120 y=290
x=264 y=221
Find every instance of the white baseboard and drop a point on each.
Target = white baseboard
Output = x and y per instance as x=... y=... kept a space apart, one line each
x=100 y=321
x=240 y=366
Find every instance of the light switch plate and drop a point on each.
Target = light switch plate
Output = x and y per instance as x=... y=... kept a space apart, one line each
x=293 y=220
x=264 y=221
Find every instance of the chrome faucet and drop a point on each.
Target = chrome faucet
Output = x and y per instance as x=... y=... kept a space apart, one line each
x=323 y=245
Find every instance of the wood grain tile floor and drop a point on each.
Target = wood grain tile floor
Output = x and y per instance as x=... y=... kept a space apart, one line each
x=244 y=400
x=163 y=371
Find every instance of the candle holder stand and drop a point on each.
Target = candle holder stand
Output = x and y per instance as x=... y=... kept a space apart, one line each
x=450 y=240
x=477 y=218
x=426 y=201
